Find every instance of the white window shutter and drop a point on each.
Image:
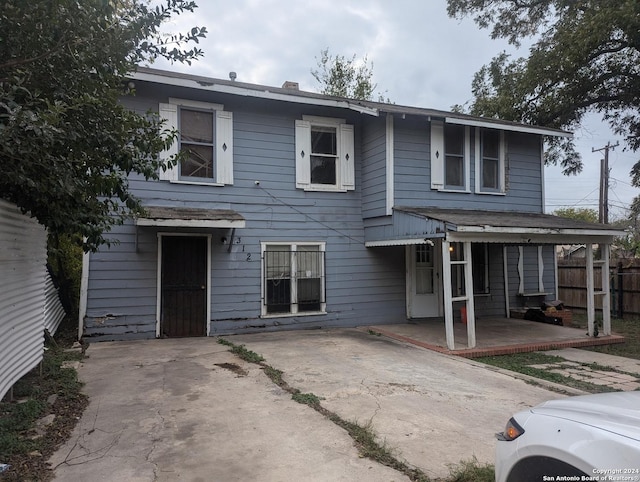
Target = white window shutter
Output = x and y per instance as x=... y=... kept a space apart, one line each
x=169 y=112
x=224 y=147
x=437 y=154
x=347 y=158
x=303 y=154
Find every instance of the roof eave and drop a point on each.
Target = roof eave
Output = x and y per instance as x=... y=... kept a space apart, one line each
x=550 y=231
x=266 y=93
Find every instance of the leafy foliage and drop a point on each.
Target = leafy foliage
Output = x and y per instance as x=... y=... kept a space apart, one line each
x=64 y=260
x=579 y=214
x=584 y=59
x=67 y=145
x=343 y=77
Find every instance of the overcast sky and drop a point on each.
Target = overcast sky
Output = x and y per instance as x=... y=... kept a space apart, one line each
x=420 y=57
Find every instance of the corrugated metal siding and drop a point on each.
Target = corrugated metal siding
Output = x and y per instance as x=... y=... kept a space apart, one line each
x=22 y=294
x=53 y=310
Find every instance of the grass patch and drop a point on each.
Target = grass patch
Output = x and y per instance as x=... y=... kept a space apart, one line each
x=24 y=448
x=627 y=327
x=242 y=352
x=306 y=398
x=472 y=471
x=521 y=363
x=274 y=375
x=224 y=341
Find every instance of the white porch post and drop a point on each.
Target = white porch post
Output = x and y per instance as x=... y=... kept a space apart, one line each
x=505 y=267
x=591 y=309
x=468 y=289
x=446 y=288
x=606 y=292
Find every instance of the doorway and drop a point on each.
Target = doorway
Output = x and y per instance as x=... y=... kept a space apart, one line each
x=423 y=281
x=184 y=286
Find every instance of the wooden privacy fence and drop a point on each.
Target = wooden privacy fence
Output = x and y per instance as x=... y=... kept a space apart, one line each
x=624 y=276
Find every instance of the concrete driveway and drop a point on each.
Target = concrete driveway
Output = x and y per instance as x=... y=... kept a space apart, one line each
x=189 y=409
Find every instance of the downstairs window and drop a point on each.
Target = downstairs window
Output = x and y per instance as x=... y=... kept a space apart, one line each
x=293 y=278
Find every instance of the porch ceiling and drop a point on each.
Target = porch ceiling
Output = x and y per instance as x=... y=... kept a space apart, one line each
x=412 y=225
x=167 y=216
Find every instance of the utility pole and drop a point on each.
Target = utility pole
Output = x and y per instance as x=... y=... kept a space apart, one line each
x=603 y=211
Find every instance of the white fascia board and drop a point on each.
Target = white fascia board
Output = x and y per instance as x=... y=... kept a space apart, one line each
x=570 y=232
x=398 y=242
x=508 y=127
x=243 y=91
x=190 y=223
x=530 y=238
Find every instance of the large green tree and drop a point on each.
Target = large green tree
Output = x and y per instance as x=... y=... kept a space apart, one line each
x=67 y=145
x=584 y=58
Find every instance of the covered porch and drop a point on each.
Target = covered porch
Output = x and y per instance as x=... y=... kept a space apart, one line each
x=519 y=271
x=495 y=336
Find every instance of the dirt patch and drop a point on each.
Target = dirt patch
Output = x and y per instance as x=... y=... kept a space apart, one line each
x=237 y=369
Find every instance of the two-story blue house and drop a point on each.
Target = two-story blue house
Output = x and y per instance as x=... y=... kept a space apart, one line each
x=300 y=210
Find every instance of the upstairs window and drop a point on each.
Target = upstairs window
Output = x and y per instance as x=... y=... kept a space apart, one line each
x=454 y=147
x=490 y=166
x=205 y=134
x=196 y=139
x=324 y=154
x=449 y=156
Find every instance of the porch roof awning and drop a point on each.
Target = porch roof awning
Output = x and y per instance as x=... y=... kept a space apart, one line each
x=416 y=225
x=167 y=216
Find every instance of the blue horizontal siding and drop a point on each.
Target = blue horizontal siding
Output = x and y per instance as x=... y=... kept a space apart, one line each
x=363 y=286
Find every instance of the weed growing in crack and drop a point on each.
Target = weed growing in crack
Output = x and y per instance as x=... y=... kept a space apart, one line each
x=247 y=355
x=471 y=471
x=306 y=398
x=242 y=352
x=274 y=375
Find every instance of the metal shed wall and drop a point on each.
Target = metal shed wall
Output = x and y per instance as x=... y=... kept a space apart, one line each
x=22 y=294
x=53 y=310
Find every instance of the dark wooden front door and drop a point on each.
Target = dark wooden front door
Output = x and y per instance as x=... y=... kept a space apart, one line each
x=184 y=286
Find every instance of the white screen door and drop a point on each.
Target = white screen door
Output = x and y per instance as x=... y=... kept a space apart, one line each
x=422 y=282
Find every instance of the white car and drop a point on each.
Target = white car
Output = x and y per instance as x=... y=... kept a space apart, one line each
x=590 y=437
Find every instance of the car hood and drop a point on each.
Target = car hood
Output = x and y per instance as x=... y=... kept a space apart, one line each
x=617 y=412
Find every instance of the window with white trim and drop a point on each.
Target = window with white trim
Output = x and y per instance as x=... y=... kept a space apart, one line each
x=450 y=156
x=205 y=134
x=454 y=157
x=293 y=280
x=324 y=154
x=490 y=152
x=479 y=268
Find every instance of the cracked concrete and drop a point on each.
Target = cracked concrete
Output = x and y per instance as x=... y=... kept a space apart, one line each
x=174 y=410
x=433 y=409
x=166 y=410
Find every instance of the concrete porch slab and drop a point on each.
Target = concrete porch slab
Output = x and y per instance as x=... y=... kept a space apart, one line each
x=494 y=336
